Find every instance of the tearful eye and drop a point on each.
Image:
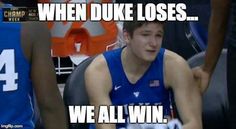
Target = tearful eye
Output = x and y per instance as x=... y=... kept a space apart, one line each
x=145 y=34
x=158 y=35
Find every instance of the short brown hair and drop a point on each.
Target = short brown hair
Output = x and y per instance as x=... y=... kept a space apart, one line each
x=130 y=26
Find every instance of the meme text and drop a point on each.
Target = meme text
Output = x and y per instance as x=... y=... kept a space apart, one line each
x=113 y=12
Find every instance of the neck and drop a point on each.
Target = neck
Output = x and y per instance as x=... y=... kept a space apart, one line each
x=132 y=63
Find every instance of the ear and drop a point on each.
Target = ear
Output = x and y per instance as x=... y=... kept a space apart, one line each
x=126 y=36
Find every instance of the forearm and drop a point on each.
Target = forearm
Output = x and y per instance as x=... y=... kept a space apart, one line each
x=193 y=117
x=215 y=43
x=102 y=125
x=190 y=113
x=189 y=103
x=54 y=117
x=52 y=109
x=216 y=33
x=192 y=120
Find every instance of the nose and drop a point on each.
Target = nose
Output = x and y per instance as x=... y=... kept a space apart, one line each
x=153 y=41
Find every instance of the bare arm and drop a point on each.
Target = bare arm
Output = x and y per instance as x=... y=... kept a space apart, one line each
x=217 y=29
x=43 y=77
x=186 y=93
x=98 y=85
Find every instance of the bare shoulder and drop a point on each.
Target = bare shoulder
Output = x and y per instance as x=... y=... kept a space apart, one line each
x=99 y=69
x=173 y=59
x=35 y=26
x=176 y=67
x=97 y=65
x=97 y=75
x=34 y=35
x=36 y=30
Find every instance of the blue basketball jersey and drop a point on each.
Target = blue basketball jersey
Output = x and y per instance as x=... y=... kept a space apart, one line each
x=16 y=108
x=148 y=90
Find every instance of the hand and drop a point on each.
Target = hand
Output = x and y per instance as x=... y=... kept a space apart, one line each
x=174 y=124
x=202 y=77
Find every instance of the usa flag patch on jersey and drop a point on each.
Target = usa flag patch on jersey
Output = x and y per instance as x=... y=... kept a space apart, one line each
x=154 y=83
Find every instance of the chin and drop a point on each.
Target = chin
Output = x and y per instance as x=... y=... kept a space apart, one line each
x=147 y=57
x=150 y=59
